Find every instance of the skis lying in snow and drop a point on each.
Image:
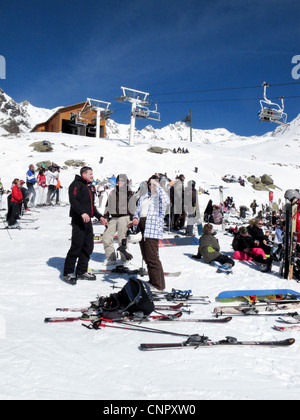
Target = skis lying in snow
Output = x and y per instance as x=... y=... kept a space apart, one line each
x=131 y=272
x=98 y=317
x=257 y=295
x=293 y=327
x=294 y=318
x=196 y=341
x=21 y=228
x=257 y=308
x=180 y=296
x=151 y=318
x=95 y=308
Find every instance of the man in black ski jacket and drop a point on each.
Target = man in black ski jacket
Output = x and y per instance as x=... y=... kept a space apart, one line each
x=82 y=210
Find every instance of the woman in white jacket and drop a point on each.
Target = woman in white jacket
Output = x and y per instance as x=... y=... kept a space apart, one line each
x=52 y=177
x=149 y=215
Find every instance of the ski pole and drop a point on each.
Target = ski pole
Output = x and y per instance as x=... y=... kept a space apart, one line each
x=5 y=226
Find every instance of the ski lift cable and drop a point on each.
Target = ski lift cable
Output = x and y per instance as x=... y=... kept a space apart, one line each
x=222 y=100
x=222 y=89
x=215 y=100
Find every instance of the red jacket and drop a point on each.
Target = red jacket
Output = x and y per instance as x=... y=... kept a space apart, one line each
x=16 y=195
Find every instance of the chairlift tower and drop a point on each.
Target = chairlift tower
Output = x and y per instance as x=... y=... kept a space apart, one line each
x=139 y=108
x=102 y=109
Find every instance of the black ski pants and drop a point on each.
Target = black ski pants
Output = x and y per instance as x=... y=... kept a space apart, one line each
x=224 y=259
x=81 y=248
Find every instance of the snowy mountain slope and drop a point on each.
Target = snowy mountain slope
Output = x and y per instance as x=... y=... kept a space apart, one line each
x=15 y=118
x=68 y=361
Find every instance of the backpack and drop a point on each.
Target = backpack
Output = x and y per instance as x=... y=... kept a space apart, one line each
x=134 y=297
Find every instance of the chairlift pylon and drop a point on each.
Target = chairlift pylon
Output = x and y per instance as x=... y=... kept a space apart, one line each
x=270 y=111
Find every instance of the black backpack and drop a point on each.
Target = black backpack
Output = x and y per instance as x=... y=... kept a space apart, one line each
x=134 y=297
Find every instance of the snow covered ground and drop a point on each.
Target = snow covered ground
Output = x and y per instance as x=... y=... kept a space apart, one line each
x=67 y=361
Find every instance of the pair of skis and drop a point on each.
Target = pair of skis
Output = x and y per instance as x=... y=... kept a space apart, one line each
x=21 y=228
x=88 y=314
x=192 y=341
x=290 y=234
x=257 y=308
x=120 y=269
x=197 y=341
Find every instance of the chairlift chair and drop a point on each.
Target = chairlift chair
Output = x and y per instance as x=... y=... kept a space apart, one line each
x=143 y=112
x=272 y=112
x=78 y=119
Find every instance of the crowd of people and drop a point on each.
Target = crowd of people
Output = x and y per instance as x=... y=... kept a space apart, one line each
x=41 y=188
x=158 y=202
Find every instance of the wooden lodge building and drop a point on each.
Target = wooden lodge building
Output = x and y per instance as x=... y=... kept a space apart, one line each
x=67 y=120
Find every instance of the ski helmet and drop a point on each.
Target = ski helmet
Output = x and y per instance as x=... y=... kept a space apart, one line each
x=134 y=235
x=292 y=195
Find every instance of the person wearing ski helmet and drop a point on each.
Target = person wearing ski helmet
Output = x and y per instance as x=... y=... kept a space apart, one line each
x=149 y=216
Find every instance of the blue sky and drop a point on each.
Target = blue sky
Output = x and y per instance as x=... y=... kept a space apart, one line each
x=60 y=52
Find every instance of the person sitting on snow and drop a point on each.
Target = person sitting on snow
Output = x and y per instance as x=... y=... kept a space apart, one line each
x=245 y=249
x=209 y=247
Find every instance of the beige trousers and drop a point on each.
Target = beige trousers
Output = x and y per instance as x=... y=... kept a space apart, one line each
x=116 y=224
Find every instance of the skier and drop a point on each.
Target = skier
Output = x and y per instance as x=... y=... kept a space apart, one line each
x=14 y=209
x=149 y=215
x=117 y=209
x=25 y=193
x=253 y=206
x=178 y=214
x=82 y=210
x=41 y=187
x=190 y=200
x=30 y=182
x=52 y=177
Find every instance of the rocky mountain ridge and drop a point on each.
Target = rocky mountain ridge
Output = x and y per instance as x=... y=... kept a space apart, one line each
x=22 y=117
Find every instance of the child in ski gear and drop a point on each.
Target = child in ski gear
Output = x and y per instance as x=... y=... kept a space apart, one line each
x=209 y=247
x=82 y=209
x=149 y=215
x=117 y=209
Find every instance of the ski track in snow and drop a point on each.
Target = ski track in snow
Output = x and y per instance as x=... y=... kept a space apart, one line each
x=68 y=361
